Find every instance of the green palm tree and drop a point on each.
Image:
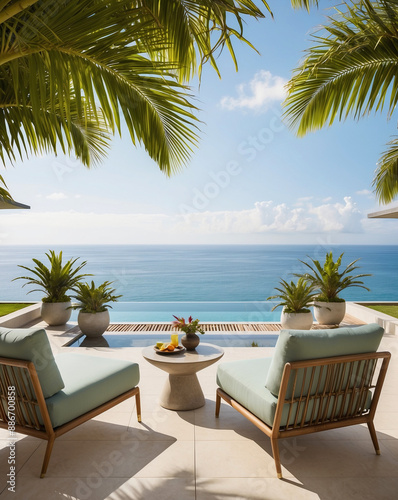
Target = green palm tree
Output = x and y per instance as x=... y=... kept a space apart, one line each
x=69 y=72
x=351 y=70
x=72 y=71
x=194 y=31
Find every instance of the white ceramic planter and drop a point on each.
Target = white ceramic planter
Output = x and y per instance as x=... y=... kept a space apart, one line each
x=329 y=313
x=296 y=321
x=56 y=313
x=93 y=324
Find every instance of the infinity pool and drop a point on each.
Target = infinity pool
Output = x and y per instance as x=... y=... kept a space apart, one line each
x=238 y=339
x=122 y=312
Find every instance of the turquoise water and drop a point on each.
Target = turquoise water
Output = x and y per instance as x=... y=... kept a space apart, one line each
x=205 y=311
x=144 y=340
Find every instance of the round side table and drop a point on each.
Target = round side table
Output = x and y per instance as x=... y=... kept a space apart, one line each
x=182 y=390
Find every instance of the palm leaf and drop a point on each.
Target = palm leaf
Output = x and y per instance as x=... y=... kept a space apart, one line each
x=298 y=4
x=74 y=68
x=71 y=71
x=352 y=70
x=385 y=181
x=193 y=31
x=4 y=193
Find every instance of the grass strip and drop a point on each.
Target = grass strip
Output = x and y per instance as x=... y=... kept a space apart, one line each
x=9 y=308
x=386 y=309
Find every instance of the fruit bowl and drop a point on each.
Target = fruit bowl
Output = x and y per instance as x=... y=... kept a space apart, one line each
x=177 y=349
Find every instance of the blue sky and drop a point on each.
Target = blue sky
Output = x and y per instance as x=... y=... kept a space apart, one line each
x=250 y=181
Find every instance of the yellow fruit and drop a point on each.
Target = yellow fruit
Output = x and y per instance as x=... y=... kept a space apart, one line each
x=170 y=347
x=159 y=345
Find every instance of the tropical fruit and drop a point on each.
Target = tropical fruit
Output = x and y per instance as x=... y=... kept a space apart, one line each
x=165 y=347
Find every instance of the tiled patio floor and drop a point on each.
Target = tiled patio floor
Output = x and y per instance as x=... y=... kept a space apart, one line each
x=191 y=455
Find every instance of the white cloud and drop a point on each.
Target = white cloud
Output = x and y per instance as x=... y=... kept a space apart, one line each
x=328 y=198
x=263 y=220
x=365 y=192
x=56 y=196
x=258 y=94
x=342 y=217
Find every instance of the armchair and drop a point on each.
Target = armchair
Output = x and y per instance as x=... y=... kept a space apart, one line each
x=316 y=380
x=46 y=396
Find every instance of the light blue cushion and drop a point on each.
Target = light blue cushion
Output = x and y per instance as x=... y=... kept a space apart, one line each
x=244 y=381
x=90 y=381
x=32 y=344
x=297 y=345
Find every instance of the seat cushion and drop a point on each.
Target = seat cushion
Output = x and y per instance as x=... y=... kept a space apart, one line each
x=244 y=381
x=32 y=344
x=297 y=345
x=90 y=381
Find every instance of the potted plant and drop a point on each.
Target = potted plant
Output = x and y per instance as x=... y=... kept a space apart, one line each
x=190 y=340
x=93 y=318
x=295 y=298
x=330 y=281
x=56 y=281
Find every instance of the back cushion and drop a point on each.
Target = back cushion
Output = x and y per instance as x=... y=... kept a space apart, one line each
x=298 y=345
x=33 y=345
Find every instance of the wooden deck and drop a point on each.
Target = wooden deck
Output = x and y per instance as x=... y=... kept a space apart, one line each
x=215 y=327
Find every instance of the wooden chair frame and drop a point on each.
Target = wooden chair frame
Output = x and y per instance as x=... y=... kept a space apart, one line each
x=30 y=402
x=368 y=369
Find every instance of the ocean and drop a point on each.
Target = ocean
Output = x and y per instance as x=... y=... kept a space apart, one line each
x=233 y=273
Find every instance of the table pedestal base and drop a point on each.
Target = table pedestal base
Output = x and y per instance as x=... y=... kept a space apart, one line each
x=182 y=392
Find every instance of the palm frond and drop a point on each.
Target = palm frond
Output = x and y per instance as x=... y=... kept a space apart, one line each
x=25 y=131
x=299 y=4
x=385 y=181
x=71 y=71
x=350 y=71
x=75 y=67
x=4 y=193
x=193 y=31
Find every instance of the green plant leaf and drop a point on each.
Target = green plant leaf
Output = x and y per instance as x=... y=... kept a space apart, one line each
x=71 y=72
x=328 y=280
x=57 y=280
x=385 y=181
x=350 y=71
x=93 y=299
x=294 y=297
